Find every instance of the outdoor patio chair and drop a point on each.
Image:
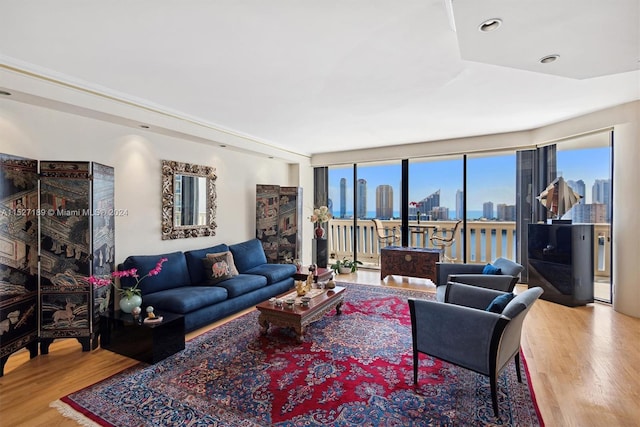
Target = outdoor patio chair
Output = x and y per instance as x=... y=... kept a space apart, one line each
x=385 y=236
x=443 y=238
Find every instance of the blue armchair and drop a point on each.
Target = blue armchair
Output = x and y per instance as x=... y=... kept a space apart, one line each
x=471 y=274
x=461 y=331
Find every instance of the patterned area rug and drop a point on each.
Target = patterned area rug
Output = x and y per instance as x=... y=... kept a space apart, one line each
x=354 y=369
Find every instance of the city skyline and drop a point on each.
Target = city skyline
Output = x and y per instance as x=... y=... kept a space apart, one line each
x=489 y=179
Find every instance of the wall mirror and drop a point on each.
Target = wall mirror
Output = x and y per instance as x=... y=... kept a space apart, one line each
x=188 y=200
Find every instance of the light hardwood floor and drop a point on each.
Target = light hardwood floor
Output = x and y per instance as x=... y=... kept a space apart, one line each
x=584 y=364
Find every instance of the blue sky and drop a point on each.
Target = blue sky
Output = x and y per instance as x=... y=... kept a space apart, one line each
x=489 y=178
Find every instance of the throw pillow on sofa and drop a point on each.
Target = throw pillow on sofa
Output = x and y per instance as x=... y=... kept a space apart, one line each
x=217 y=269
x=232 y=265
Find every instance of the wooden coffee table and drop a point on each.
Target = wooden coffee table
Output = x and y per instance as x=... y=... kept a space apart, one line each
x=297 y=316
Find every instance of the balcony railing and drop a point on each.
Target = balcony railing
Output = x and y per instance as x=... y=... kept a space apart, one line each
x=488 y=241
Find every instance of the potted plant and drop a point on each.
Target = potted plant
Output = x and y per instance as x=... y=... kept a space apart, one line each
x=345 y=266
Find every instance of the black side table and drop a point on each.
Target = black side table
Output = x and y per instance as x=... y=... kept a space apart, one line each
x=146 y=342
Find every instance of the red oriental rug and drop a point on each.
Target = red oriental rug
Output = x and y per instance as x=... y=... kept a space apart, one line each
x=353 y=370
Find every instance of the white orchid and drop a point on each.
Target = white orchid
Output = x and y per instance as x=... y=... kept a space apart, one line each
x=321 y=215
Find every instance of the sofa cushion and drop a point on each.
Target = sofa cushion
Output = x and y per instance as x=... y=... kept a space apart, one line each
x=217 y=269
x=248 y=255
x=491 y=269
x=499 y=303
x=185 y=299
x=194 y=262
x=274 y=272
x=174 y=272
x=242 y=284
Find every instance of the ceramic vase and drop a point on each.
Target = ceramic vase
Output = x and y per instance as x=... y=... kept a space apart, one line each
x=319 y=232
x=127 y=304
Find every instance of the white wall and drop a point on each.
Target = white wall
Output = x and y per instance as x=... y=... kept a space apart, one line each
x=46 y=134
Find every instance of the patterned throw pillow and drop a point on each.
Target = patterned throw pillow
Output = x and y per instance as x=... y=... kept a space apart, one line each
x=216 y=268
x=232 y=265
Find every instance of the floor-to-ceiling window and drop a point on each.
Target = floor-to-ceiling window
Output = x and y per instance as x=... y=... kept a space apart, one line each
x=342 y=209
x=435 y=201
x=378 y=187
x=491 y=206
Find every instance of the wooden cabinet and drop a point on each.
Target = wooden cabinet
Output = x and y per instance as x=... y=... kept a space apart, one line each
x=278 y=218
x=408 y=261
x=18 y=256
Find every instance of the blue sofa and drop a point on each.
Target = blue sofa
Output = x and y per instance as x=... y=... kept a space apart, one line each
x=182 y=288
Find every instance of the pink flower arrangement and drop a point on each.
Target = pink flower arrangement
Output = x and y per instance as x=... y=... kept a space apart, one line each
x=134 y=290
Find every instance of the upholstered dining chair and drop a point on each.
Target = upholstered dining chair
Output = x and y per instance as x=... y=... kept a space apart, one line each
x=462 y=331
x=443 y=238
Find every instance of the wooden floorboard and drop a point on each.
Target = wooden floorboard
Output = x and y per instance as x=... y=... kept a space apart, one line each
x=584 y=365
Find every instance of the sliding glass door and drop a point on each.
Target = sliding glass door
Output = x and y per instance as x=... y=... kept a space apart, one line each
x=585 y=164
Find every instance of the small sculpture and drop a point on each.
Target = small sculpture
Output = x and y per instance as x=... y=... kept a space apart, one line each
x=330 y=284
x=136 y=312
x=302 y=287
x=150 y=313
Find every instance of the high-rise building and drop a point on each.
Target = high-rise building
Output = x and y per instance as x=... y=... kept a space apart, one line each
x=590 y=213
x=580 y=188
x=487 y=210
x=343 y=197
x=459 y=204
x=601 y=193
x=440 y=213
x=426 y=205
x=384 y=201
x=362 y=198
x=506 y=212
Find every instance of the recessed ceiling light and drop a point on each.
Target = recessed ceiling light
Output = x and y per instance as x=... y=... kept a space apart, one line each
x=5 y=93
x=549 y=59
x=144 y=126
x=490 y=25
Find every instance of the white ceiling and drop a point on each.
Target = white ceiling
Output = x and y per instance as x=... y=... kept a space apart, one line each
x=329 y=75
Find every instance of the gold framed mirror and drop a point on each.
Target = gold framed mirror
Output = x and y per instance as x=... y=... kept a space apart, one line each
x=188 y=200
